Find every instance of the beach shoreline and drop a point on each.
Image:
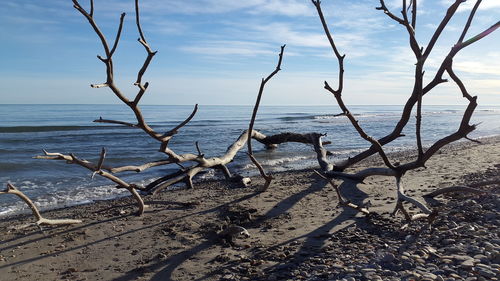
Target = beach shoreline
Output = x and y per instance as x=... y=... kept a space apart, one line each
x=403 y=155
x=176 y=238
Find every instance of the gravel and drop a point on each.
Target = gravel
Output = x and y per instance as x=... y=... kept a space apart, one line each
x=463 y=243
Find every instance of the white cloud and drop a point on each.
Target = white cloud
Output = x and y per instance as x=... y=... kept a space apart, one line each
x=21 y=20
x=284 y=32
x=271 y=7
x=468 y=5
x=229 y=48
x=288 y=8
x=477 y=67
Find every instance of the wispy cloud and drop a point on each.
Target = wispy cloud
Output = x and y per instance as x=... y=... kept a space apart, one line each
x=284 y=32
x=288 y=8
x=28 y=20
x=468 y=5
x=270 y=7
x=229 y=48
x=477 y=67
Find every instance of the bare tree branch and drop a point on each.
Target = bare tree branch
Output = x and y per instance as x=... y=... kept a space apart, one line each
x=333 y=171
x=259 y=96
x=340 y=58
x=144 y=43
x=267 y=178
x=413 y=99
x=118 y=34
x=403 y=197
x=338 y=93
x=386 y=11
x=108 y=61
x=449 y=14
x=411 y=32
x=203 y=163
x=139 y=168
x=477 y=37
x=100 y=120
x=457 y=188
x=182 y=124
x=11 y=189
x=72 y=159
x=91 y=8
x=469 y=21
x=413 y=14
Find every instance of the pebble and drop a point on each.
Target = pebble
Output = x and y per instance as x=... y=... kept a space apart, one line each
x=376 y=278
x=388 y=258
x=485 y=272
x=467 y=264
x=488 y=246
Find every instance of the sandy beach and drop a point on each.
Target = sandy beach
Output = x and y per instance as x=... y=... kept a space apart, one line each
x=297 y=231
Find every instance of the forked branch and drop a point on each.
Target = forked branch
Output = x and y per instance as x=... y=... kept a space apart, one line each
x=97 y=169
x=110 y=82
x=412 y=100
x=40 y=220
x=334 y=171
x=201 y=163
x=338 y=93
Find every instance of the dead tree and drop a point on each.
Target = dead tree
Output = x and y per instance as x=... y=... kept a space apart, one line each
x=396 y=170
x=184 y=174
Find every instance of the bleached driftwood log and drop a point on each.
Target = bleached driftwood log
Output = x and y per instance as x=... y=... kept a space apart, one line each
x=11 y=189
x=202 y=163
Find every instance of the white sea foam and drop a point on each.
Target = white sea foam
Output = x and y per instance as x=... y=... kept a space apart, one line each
x=277 y=162
x=76 y=196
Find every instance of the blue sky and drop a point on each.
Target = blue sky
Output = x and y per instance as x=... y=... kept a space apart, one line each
x=216 y=52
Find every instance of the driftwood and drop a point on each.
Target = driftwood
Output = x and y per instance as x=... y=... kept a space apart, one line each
x=202 y=163
x=184 y=174
x=420 y=89
x=334 y=170
x=267 y=178
x=457 y=188
x=471 y=188
x=97 y=169
x=11 y=189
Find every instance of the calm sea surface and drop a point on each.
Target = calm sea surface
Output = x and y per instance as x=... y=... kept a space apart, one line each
x=25 y=130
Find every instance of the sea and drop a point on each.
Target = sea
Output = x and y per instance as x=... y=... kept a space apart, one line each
x=27 y=130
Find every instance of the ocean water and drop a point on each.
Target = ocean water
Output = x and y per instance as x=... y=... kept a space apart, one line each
x=25 y=130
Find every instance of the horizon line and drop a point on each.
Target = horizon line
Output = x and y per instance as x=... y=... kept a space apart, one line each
x=262 y=105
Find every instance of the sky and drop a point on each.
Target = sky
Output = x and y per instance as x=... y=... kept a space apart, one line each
x=215 y=52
